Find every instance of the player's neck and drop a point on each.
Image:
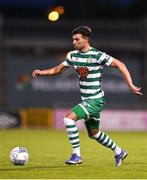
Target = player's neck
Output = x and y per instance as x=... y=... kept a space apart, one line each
x=86 y=49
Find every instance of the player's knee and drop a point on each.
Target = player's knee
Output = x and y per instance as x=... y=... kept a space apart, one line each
x=71 y=115
x=67 y=115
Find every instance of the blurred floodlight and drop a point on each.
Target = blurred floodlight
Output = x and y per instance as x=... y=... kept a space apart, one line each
x=53 y=16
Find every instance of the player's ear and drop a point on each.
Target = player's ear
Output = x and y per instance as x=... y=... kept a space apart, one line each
x=86 y=38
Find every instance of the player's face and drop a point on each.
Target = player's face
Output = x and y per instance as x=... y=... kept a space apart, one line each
x=79 y=41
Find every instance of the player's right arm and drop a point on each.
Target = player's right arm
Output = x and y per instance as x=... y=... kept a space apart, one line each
x=49 y=72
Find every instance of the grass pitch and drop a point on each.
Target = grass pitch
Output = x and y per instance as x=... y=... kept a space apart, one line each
x=49 y=148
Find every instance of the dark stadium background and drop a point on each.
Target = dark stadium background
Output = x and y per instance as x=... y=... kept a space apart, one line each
x=29 y=41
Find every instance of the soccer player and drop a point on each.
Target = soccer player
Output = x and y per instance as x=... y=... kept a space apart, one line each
x=89 y=63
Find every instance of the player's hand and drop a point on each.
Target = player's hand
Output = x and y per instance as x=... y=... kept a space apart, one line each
x=36 y=73
x=136 y=90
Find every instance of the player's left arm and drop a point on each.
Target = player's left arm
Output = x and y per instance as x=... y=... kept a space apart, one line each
x=126 y=74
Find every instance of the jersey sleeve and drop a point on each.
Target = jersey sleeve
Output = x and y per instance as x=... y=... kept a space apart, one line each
x=104 y=59
x=68 y=61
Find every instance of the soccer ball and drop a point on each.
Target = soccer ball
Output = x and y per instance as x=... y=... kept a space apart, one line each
x=19 y=156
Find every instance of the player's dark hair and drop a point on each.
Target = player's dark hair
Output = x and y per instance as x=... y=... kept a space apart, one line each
x=84 y=30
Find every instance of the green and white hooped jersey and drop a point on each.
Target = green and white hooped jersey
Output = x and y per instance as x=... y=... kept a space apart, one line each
x=89 y=67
